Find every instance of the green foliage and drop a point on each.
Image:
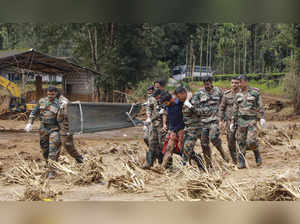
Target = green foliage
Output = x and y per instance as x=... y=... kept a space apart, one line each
x=141 y=89
x=128 y=54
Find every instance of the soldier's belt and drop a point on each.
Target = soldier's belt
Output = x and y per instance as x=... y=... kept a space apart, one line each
x=49 y=126
x=248 y=117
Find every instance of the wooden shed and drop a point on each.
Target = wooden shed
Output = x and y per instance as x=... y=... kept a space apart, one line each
x=78 y=83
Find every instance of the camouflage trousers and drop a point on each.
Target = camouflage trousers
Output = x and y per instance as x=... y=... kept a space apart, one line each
x=247 y=135
x=156 y=139
x=146 y=136
x=231 y=142
x=50 y=143
x=210 y=132
x=191 y=135
x=68 y=143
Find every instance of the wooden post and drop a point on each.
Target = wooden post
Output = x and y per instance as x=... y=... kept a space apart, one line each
x=38 y=88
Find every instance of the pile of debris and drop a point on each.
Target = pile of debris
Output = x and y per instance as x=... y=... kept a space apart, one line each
x=275 y=191
x=39 y=193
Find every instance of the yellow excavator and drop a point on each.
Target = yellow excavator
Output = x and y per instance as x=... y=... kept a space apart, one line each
x=17 y=102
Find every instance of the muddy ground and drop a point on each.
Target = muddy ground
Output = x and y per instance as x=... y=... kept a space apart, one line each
x=280 y=149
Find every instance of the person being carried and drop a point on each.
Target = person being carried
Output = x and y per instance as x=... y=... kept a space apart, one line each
x=173 y=108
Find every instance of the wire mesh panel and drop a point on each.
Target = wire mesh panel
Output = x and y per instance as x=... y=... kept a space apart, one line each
x=94 y=117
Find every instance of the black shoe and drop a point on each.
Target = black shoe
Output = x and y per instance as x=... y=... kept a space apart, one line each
x=198 y=159
x=79 y=159
x=169 y=163
x=233 y=156
x=242 y=162
x=257 y=157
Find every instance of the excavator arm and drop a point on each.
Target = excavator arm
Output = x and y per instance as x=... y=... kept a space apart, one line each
x=11 y=87
x=17 y=103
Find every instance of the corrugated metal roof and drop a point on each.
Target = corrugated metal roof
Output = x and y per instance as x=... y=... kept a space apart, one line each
x=39 y=62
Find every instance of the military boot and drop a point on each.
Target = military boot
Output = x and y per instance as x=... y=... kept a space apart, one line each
x=257 y=157
x=79 y=159
x=199 y=161
x=207 y=157
x=149 y=160
x=169 y=163
x=233 y=155
x=223 y=154
x=242 y=161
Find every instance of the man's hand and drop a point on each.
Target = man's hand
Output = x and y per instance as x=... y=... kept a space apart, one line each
x=148 y=121
x=263 y=122
x=162 y=111
x=28 y=127
x=188 y=104
x=231 y=127
x=221 y=125
x=165 y=128
x=189 y=96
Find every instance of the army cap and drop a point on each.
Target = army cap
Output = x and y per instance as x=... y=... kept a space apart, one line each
x=243 y=77
x=150 y=88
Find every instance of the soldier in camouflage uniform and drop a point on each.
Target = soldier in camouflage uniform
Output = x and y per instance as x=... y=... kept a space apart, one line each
x=146 y=129
x=192 y=129
x=47 y=108
x=65 y=136
x=154 y=113
x=247 y=109
x=226 y=116
x=206 y=102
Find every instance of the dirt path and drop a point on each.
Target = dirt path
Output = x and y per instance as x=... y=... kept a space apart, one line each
x=276 y=160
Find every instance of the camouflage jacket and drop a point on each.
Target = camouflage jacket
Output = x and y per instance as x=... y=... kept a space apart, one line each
x=248 y=104
x=191 y=118
x=62 y=116
x=47 y=111
x=207 y=104
x=226 y=106
x=152 y=109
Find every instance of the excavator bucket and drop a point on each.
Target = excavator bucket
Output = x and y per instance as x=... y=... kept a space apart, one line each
x=95 y=117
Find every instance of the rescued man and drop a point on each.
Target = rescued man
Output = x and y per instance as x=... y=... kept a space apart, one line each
x=192 y=128
x=225 y=115
x=47 y=109
x=66 y=136
x=173 y=108
x=206 y=102
x=248 y=108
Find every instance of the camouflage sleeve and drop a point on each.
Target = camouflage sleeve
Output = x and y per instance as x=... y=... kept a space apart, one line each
x=260 y=105
x=34 y=113
x=155 y=113
x=222 y=109
x=235 y=110
x=149 y=106
x=61 y=113
x=221 y=95
x=197 y=105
